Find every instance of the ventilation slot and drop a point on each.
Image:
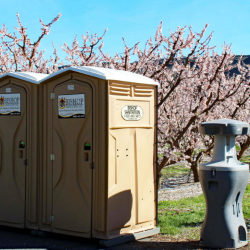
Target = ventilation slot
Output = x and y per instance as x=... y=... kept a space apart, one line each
x=143 y=91
x=119 y=89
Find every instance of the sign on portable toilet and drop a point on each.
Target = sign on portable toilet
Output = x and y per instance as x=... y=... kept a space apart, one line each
x=98 y=158
x=18 y=149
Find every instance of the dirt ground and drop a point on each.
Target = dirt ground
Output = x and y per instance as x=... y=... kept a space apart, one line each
x=22 y=239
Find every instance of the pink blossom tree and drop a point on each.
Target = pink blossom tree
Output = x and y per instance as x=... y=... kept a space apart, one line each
x=238 y=106
x=85 y=54
x=192 y=88
x=19 y=53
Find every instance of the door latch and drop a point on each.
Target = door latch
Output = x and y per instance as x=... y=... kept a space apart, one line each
x=52 y=218
x=52 y=157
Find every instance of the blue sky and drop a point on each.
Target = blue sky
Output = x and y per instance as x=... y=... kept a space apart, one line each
x=136 y=21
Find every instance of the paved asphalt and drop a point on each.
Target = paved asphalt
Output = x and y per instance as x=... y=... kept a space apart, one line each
x=11 y=238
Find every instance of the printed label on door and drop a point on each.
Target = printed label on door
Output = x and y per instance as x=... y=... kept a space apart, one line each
x=71 y=106
x=10 y=104
x=132 y=113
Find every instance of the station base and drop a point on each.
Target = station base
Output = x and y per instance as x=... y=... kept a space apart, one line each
x=129 y=237
x=239 y=245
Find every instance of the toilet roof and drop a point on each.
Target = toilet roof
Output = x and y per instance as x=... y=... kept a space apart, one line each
x=26 y=76
x=98 y=72
x=107 y=74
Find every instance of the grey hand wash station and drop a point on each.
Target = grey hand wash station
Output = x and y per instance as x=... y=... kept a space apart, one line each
x=224 y=180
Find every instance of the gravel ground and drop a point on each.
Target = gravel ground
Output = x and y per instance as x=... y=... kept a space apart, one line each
x=179 y=187
x=185 y=191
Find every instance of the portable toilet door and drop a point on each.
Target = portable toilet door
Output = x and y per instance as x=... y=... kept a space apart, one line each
x=18 y=149
x=67 y=140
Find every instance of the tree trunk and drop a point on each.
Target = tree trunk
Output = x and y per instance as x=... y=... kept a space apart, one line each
x=159 y=181
x=243 y=148
x=165 y=162
x=195 y=171
x=162 y=165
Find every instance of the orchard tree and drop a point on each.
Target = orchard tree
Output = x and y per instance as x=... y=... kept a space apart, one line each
x=19 y=53
x=238 y=106
x=192 y=89
x=85 y=54
x=204 y=87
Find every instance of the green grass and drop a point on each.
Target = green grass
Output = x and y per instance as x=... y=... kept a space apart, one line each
x=245 y=158
x=175 y=170
x=238 y=148
x=246 y=205
x=182 y=219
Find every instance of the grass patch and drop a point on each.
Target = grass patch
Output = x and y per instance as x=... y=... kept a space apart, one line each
x=246 y=204
x=175 y=170
x=245 y=158
x=238 y=148
x=182 y=219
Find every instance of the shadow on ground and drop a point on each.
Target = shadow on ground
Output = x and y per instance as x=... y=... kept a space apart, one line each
x=11 y=238
x=23 y=239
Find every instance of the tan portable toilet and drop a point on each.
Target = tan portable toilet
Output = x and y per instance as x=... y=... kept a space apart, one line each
x=98 y=156
x=19 y=149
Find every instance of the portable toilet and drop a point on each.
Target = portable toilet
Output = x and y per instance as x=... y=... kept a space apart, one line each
x=19 y=149
x=99 y=153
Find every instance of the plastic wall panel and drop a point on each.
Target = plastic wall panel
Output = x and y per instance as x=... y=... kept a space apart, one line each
x=131 y=164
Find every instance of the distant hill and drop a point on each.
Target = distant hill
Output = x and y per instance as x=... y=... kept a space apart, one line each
x=245 y=59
